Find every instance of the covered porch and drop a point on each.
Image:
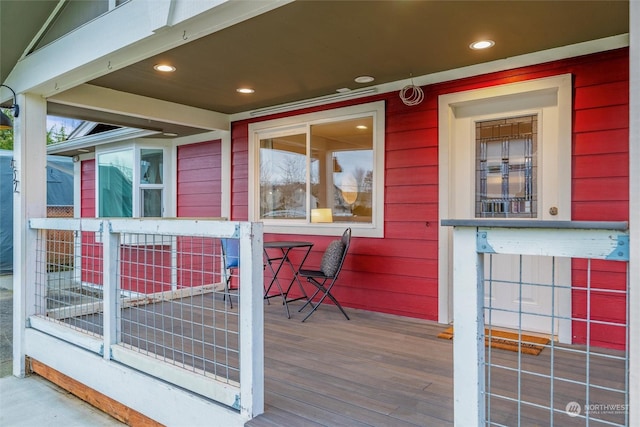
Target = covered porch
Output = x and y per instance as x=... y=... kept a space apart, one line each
x=142 y=301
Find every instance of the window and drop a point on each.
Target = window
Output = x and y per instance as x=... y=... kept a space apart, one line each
x=115 y=178
x=318 y=172
x=506 y=168
x=151 y=185
x=117 y=194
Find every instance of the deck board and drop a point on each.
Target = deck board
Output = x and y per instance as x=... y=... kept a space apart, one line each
x=372 y=370
x=384 y=370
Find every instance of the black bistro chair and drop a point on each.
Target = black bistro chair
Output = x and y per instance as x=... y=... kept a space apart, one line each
x=231 y=260
x=325 y=278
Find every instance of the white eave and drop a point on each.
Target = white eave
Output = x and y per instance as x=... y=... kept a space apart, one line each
x=92 y=141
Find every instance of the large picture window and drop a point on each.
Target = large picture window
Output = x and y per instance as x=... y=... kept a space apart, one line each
x=127 y=191
x=320 y=171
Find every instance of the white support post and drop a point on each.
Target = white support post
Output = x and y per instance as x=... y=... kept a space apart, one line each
x=468 y=336
x=29 y=201
x=251 y=321
x=111 y=247
x=634 y=212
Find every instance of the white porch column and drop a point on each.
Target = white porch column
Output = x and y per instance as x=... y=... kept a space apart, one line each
x=29 y=201
x=634 y=212
x=468 y=329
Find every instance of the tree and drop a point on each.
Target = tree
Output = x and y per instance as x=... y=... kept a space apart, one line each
x=54 y=135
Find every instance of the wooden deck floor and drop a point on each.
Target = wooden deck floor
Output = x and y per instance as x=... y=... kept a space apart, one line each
x=372 y=370
x=383 y=370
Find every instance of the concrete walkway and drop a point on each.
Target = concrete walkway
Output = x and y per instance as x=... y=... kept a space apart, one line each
x=34 y=401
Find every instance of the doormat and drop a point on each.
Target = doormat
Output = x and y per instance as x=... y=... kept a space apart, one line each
x=504 y=340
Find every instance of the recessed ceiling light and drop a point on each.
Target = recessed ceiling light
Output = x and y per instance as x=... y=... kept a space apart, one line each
x=361 y=127
x=165 y=68
x=364 y=79
x=245 y=90
x=169 y=134
x=482 y=44
x=343 y=90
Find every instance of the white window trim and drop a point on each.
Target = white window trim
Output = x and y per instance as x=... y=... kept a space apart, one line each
x=137 y=186
x=373 y=229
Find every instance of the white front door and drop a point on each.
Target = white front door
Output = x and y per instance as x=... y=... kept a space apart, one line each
x=505 y=154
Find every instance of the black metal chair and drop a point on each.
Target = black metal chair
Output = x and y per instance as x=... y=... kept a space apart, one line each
x=231 y=260
x=325 y=278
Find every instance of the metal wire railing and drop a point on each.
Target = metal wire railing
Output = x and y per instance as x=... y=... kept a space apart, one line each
x=62 y=296
x=155 y=295
x=557 y=294
x=582 y=381
x=177 y=309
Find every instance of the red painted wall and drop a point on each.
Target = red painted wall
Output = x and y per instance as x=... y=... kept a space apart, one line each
x=91 y=251
x=198 y=185
x=199 y=189
x=398 y=274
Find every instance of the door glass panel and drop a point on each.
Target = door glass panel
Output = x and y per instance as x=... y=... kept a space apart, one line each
x=506 y=168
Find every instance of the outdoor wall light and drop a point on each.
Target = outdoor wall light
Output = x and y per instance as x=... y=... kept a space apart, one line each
x=5 y=121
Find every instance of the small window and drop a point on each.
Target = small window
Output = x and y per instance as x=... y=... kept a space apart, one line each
x=127 y=192
x=115 y=183
x=318 y=172
x=506 y=168
x=151 y=182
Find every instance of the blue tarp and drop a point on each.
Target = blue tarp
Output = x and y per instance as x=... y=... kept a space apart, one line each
x=59 y=193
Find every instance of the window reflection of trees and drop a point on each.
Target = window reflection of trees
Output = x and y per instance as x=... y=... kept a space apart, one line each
x=340 y=172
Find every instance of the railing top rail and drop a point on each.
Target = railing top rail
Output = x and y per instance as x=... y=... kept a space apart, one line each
x=196 y=227
x=506 y=223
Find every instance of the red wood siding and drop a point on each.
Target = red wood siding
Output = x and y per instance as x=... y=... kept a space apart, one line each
x=91 y=251
x=199 y=190
x=88 y=189
x=398 y=274
x=199 y=184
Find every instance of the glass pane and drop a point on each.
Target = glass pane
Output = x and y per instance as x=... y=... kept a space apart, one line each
x=283 y=177
x=342 y=169
x=506 y=168
x=115 y=179
x=151 y=201
x=60 y=129
x=151 y=166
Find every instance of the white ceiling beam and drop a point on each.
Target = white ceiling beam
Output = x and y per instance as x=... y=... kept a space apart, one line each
x=123 y=36
x=112 y=101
